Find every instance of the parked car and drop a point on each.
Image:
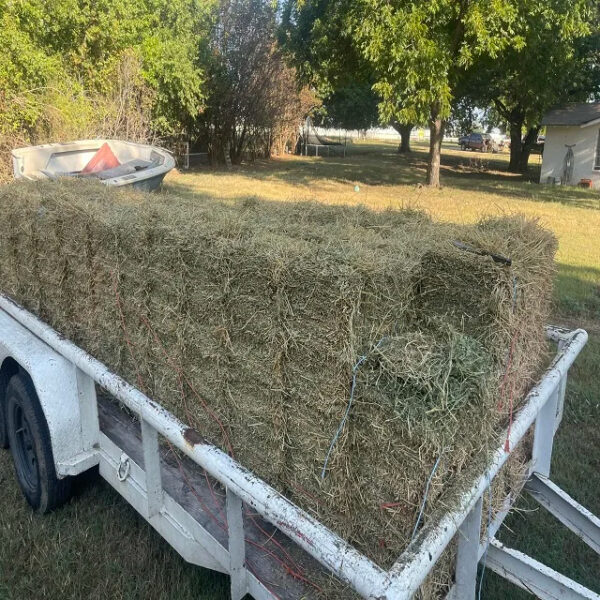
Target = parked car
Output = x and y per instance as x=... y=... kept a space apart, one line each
x=478 y=141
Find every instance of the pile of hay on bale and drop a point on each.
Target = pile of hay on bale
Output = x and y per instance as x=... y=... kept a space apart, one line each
x=272 y=310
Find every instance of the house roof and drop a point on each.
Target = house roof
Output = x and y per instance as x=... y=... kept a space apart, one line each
x=583 y=113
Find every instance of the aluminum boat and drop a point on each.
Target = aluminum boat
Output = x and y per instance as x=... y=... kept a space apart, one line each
x=114 y=162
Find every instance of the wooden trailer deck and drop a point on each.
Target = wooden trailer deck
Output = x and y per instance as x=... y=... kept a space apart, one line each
x=274 y=559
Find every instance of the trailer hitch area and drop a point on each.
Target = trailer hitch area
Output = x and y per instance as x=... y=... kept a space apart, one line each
x=123 y=467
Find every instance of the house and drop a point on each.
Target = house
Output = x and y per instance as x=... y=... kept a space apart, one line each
x=572 y=146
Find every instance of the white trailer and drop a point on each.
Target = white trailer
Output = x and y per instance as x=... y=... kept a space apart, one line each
x=58 y=426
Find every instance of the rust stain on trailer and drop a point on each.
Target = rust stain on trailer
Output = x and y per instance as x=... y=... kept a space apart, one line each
x=192 y=437
x=285 y=524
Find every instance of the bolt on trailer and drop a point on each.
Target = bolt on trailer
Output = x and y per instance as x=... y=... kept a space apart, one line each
x=57 y=426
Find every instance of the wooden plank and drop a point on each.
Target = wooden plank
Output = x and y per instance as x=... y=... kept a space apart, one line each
x=205 y=500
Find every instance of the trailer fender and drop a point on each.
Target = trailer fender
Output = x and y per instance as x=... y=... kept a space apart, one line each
x=65 y=394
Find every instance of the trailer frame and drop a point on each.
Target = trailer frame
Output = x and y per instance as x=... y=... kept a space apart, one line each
x=60 y=369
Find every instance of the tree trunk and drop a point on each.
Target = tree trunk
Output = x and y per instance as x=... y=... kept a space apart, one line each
x=404 y=130
x=528 y=142
x=436 y=135
x=516 y=146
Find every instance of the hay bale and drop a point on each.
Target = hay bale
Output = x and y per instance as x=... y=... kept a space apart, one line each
x=267 y=307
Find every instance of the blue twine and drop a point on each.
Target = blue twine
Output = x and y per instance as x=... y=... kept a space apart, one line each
x=435 y=466
x=489 y=538
x=340 y=428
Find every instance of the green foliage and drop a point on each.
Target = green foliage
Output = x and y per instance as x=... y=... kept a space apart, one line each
x=351 y=107
x=24 y=69
x=81 y=44
x=323 y=49
x=419 y=51
x=559 y=62
x=433 y=60
x=415 y=51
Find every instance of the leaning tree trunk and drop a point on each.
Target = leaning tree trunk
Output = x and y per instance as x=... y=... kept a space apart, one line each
x=516 y=146
x=404 y=130
x=436 y=135
x=528 y=142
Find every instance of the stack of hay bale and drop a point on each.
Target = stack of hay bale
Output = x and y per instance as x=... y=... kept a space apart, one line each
x=270 y=309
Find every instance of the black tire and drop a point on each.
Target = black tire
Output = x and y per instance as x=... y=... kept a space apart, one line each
x=4 y=377
x=30 y=446
x=463 y=147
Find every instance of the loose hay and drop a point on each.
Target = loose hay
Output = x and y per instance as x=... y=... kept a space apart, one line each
x=266 y=307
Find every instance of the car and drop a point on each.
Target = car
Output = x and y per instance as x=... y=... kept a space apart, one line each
x=478 y=141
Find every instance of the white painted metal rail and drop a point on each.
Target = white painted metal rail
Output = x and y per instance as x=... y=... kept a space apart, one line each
x=542 y=408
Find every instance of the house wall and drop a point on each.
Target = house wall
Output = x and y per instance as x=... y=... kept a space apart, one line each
x=585 y=140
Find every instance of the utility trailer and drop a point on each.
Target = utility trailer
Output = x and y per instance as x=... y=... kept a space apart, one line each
x=58 y=422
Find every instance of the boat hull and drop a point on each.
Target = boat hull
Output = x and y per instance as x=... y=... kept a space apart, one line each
x=141 y=166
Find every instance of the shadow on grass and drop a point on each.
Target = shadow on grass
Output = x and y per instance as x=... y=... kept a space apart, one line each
x=379 y=164
x=577 y=294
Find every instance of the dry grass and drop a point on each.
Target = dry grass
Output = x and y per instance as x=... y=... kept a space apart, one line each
x=387 y=180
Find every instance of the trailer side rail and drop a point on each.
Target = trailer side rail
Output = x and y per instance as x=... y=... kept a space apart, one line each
x=145 y=490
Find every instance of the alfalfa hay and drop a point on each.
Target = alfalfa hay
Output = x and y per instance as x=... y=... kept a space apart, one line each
x=272 y=309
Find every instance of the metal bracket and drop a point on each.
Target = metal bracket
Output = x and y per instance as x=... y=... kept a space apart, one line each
x=154 y=489
x=543 y=437
x=534 y=577
x=569 y=512
x=237 y=546
x=467 y=555
x=123 y=467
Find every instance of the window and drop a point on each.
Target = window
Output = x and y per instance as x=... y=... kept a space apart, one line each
x=597 y=161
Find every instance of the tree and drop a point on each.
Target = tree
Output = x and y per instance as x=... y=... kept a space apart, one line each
x=559 y=63
x=416 y=51
x=252 y=93
x=353 y=106
x=85 y=41
x=420 y=53
x=327 y=57
x=404 y=129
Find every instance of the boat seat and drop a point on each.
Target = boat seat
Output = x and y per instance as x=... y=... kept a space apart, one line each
x=131 y=166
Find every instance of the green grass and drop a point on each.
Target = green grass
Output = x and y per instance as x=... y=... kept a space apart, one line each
x=97 y=547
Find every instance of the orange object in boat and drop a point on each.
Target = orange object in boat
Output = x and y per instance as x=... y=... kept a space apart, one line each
x=585 y=183
x=102 y=160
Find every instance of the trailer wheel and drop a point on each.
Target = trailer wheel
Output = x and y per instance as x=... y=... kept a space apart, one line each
x=3 y=433
x=30 y=446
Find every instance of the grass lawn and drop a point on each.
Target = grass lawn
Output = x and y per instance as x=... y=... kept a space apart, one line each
x=97 y=547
